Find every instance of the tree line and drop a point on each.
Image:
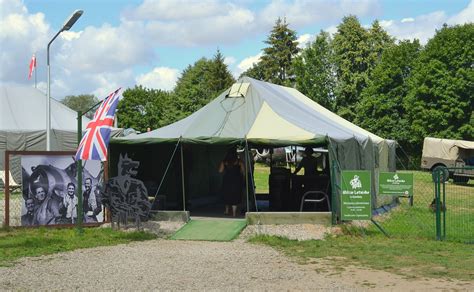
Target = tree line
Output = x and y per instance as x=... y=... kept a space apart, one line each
x=397 y=89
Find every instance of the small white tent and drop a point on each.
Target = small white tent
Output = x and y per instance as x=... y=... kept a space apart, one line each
x=23 y=122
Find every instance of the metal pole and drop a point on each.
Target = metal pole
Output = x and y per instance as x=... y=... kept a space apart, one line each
x=182 y=177
x=35 y=71
x=79 y=177
x=444 y=210
x=437 y=201
x=247 y=173
x=334 y=198
x=6 y=183
x=48 y=99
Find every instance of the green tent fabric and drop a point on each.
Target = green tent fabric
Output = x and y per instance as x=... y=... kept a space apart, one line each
x=264 y=114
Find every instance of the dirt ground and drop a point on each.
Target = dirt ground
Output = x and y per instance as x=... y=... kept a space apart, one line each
x=197 y=265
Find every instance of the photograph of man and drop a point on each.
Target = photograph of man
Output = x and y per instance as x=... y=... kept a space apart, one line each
x=91 y=207
x=70 y=202
x=28 y=218
x=47 y=208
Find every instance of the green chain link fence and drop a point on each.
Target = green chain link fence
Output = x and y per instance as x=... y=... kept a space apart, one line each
x=442 y=208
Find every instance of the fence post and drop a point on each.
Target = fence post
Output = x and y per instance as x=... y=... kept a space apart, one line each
x=333 y=194
x=437 y=201
x=443 y=209
x=6 y=188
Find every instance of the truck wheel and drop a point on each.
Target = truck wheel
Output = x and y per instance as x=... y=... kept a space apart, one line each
x=460 y=179
x=443 y=173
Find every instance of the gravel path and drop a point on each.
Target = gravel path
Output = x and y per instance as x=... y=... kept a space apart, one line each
x=167 y=265
x=205 y=266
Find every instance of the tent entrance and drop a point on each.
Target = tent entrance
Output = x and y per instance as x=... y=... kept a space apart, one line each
x=215 y=210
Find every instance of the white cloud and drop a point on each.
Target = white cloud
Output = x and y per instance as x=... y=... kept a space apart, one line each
x=70 y=35
x=159 y=78
x=21 y=35
x=408 y=19
x=229 y=60
x=423 y=27
x=99 y=59
x=248 y=63
x=305 y=40
x=300 y=13
x=465 y=16
x=228 y=26
x=331 y=29
x=174 y=10
x=227 y=22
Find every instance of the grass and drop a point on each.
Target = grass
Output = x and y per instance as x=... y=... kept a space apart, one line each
x=210 y=230
x=18 y=243
x=418 y=221
x=408 y=257
x=261 y=174
x=15 y=194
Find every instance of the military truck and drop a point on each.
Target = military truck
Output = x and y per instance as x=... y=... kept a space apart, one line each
x=445 y=154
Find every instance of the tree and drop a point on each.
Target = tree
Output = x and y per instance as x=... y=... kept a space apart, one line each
x=219 y=76
x=256 y=72
x=81 y=103
x=351 y=57
x=382 y=106
x=276 y=62
x=199 y=84
x=440 y=100
x=142 y=108
x=379 y=40
x=314 y=71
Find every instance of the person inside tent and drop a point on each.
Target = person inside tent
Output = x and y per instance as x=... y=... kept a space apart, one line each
x=232 y=181
x=308 y=162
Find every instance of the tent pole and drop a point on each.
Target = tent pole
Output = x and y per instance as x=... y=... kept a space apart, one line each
x=182 y=176
x=247 y=173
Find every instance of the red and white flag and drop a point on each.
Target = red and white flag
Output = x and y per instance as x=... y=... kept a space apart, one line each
x=32 y=65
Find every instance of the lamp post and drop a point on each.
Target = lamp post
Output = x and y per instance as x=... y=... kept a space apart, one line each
x=66 y=26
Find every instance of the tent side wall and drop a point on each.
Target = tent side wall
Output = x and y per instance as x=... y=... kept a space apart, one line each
x=33 y=141
x=202 y=180
x=354 y=154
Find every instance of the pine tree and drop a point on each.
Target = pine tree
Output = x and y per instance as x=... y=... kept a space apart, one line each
x=379 y=41
x=220 y=77
x=277 y=58
x=314 y=71
x=352 y=58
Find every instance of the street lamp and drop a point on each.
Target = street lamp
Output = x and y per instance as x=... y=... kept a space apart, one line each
x=66 y=26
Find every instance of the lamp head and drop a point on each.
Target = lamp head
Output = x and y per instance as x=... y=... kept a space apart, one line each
x=72 y=19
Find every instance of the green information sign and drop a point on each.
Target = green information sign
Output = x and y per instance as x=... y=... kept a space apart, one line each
x=356 y=200
x=396 y=184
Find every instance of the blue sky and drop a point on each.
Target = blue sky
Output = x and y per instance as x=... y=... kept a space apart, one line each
x=149 y=42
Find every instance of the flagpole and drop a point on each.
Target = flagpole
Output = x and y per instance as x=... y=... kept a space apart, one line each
x=35 y=71
x=79 y=177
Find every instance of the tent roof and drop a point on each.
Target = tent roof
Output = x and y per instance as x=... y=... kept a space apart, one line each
x=261 y=112
x=23 y=108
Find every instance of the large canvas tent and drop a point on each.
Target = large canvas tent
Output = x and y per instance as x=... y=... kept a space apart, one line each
x=255 y=113
x=23 y=122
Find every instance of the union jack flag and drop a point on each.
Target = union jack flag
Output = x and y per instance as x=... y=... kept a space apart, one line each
x=94 y=143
